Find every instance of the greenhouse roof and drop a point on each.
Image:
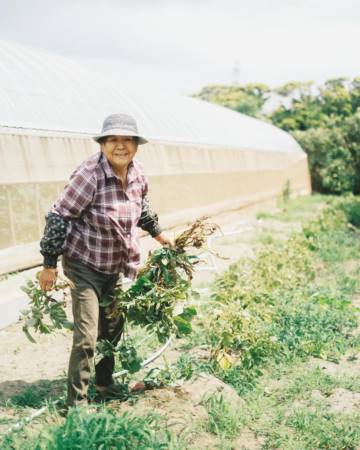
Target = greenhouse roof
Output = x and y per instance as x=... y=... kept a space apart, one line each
x=43 y=91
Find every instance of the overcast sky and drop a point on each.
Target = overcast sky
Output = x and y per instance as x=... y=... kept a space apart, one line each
x=183 y=45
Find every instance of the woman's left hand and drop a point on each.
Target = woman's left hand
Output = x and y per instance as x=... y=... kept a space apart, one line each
x=164 y=240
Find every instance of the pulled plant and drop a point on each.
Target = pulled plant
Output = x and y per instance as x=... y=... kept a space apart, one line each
x=46 y=313
x=156 y=300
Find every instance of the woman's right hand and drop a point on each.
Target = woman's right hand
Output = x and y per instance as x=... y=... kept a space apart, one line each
x=47 y=278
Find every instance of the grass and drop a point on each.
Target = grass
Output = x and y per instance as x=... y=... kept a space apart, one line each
x=313 y=317
x=35 y=395
x=99 y=430
x=284 y=413
x=323 y=430
x=308 y=430
x=278 y=306
x=338 y=246
x=299 y=208
x=307 y=380
x=224 y=420
x=318 y=327
x=272 y=315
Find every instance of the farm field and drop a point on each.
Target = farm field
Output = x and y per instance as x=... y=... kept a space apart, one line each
x=272 y=362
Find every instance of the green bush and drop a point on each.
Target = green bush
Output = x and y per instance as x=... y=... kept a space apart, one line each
x=351 y=130
x=324 y=119
x=351 y=207
x=330 y=159
x=354 y=214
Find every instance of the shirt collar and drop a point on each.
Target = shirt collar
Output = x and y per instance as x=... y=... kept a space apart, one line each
x=109 y=173
x=133 y=172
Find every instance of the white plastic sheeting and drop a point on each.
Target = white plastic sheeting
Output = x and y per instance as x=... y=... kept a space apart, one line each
x=43 y=91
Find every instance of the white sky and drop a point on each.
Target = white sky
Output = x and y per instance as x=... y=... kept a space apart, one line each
x=182 y=45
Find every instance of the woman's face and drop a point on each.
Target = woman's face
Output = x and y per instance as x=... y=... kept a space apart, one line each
x=119 y=150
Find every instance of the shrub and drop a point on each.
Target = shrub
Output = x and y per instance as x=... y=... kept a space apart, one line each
x=351 y=207
x=330 y=159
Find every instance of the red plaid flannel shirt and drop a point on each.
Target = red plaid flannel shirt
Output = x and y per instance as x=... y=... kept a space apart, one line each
x=102 y=216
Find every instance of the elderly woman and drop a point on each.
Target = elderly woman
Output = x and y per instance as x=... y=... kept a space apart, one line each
x=93 y=225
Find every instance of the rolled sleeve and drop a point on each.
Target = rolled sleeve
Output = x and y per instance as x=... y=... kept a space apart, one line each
x=75 y=197
x=149 y=220
x=52 y=242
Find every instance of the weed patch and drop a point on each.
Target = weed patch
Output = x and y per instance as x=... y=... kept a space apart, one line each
x=93 y=431
x=315 y=379
x=322 y=430
x=275 y=308
x=33 y=396
x=224 y=420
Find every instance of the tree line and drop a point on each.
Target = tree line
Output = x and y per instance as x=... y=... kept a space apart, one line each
x=324 y=119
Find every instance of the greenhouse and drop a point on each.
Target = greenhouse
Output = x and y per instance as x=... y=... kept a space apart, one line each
x=200 y=159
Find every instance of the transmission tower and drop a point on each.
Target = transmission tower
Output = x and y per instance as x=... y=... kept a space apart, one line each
x=235 y=73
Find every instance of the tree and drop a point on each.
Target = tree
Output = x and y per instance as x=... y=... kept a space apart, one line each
x=355 y=93
x=351 y=130
x=324 y=119
x=335 y=99
x=330 y=159
x=248 y=99
x=303 y=110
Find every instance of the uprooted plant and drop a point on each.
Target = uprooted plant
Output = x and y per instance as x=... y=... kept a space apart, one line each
x=46 y=313
x=155 y=301
x=163 y=284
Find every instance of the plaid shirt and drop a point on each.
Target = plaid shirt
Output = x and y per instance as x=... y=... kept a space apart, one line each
x=94 y=220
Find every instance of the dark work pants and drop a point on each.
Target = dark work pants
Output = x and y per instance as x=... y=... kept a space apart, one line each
x=90 y=324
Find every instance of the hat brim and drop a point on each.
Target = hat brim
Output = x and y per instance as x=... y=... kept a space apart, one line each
x=117 y=132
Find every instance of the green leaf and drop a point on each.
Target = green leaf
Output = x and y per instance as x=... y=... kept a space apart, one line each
x=132 y=366
x=182 y=325
x=28 y=335
x=188 y=313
